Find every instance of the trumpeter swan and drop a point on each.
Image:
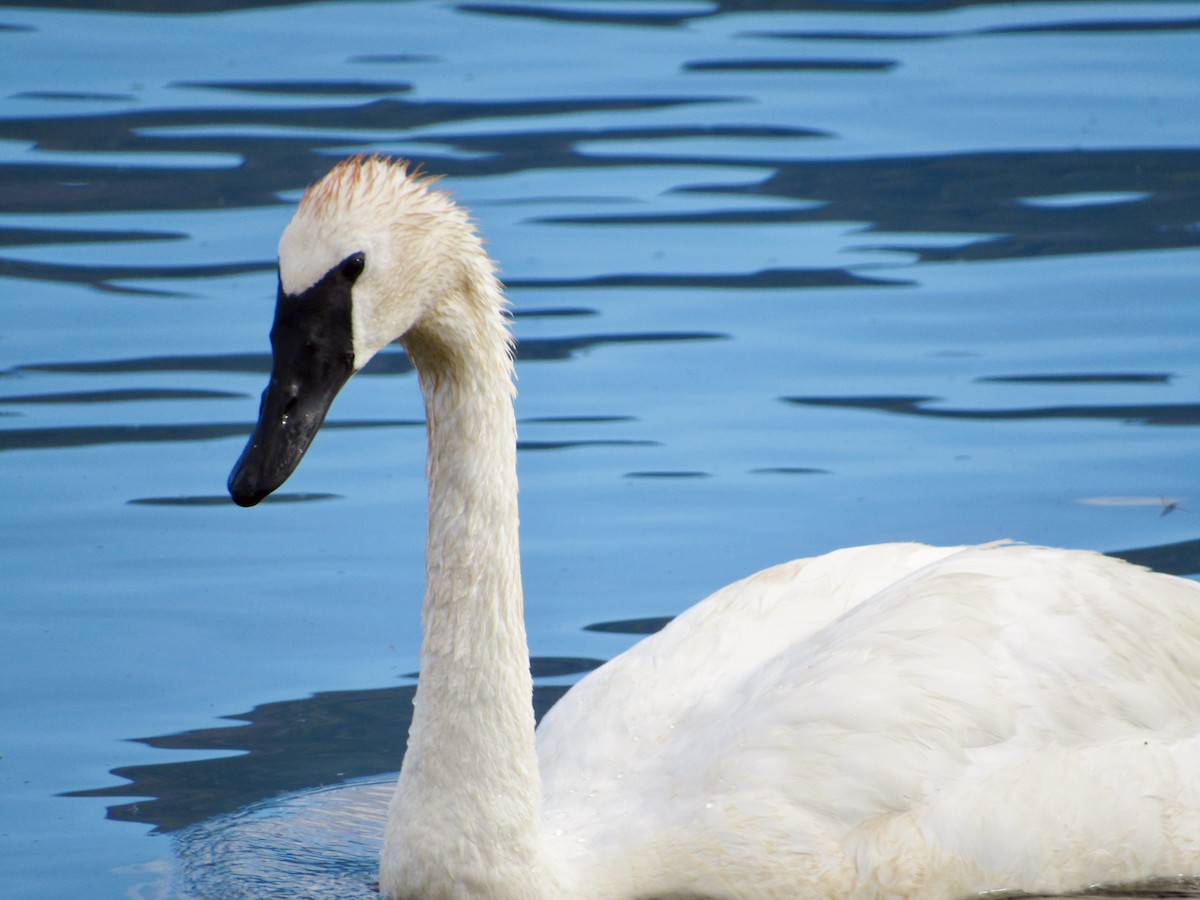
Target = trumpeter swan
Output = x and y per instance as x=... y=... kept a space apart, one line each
x=886 y=721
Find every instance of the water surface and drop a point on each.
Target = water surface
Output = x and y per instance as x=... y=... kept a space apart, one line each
x=783 y=281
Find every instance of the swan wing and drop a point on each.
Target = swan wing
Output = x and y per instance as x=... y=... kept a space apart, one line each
x=706 y=653
x=885 y=713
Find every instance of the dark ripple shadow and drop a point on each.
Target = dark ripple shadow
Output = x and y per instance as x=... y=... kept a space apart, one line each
x=570 y=445
x=119 y=395
x=1100 y=26
x=567 y=14
x=393 y=58
x=671 y=19
x=1074 y=26
x=104 y=278
x=71 y=96
x=337 y=736
x=1081 y=378
x=974 y=194
x=768 y=278
x=789 y=470
x=575 y=420
x=98 y=435
x=557 y=312
x=564 y=13
x=290 y=745
x=257 y=363
x=792 y=65
x=390 y=362
x=1132 y=414
x=61 y=437
x=971 y=194
x=556 y=147
x=634 y=16
x=631 y=626
x=304 y=88
x=272 y=164
x=1182 y=558
x=157 y=6
x=224 y=499
x=668 y=474
x=13 y=236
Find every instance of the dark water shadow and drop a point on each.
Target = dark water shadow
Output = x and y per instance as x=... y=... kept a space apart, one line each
x=631 y=626
x=1130 y=414
x=116 y=395
x=59 y=437
x=18 y=236
x=1070 y=26
x=805 y=64
x=106 y=278
x=576 y=420
x=629 y=15
x=271 y=164
x=338 y=736
x=1182 y=558
x=668 y=474
x=983 y=196
x=224 y=499
x=789 y=470
x=1081 y=378
x=98 y=435
x=290 y=745
x=392 y=361
x=304 y=88
x=767 y=278
x=567 y=445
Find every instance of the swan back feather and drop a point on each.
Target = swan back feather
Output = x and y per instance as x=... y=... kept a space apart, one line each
x=982 y=720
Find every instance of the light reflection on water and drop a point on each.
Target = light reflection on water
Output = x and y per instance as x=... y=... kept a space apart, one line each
x=850 y=273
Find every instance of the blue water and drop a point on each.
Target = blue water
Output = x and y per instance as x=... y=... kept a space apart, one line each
x=783 y=282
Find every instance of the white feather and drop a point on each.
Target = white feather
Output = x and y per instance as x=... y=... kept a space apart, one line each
x=887 y=721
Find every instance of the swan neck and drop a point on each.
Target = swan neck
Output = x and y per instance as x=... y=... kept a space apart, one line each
x=469 y=789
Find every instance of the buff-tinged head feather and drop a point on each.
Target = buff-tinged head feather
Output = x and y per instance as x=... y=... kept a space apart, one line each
x=421 y=256
x=357 y=201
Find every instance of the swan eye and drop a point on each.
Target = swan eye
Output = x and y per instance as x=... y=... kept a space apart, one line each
x=353 y=266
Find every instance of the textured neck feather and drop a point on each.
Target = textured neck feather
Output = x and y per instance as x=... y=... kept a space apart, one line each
x=468 y=799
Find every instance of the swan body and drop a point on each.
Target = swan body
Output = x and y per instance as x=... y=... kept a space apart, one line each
x=887 y=721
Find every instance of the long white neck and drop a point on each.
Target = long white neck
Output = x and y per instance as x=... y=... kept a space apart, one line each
x=465 y=817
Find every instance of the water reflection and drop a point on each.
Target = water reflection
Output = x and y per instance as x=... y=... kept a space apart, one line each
x=392 y=362
x=117 y=395
x=980 y=197
x=1080 y=378
x=45 y=438
x=280 y=149
x=249 y=155
x=291 y=745
x=222 y=499
x=1134 y=414
x=1182 y=558
x=338 y=736
x=388 y=362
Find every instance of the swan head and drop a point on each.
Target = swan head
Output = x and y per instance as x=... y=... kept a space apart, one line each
x=370 y=253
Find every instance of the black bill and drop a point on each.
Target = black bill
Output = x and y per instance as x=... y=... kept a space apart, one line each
x=312 y=350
